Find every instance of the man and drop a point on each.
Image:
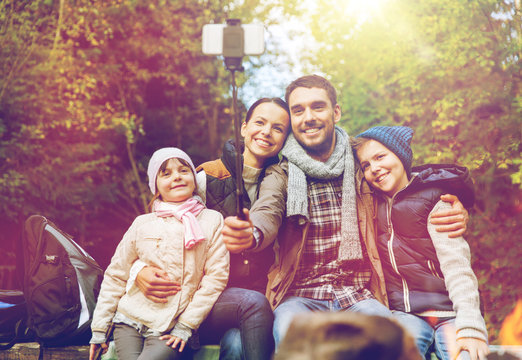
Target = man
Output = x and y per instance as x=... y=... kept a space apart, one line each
x=327 y=258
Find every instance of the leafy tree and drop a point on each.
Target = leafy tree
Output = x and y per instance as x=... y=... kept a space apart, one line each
x=88 y=90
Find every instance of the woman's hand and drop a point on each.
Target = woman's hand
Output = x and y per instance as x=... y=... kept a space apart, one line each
x=96 y=350
x=238 y=234
x=453 y=221
x=478 y=349
x=173 y=341
x=155 y=284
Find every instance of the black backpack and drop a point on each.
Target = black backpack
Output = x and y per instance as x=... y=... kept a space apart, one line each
x=61 y=283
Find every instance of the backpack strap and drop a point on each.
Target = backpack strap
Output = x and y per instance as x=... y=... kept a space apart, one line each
x=20 y=324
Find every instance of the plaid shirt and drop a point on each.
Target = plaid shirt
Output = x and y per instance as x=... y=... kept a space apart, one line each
x=320 y=275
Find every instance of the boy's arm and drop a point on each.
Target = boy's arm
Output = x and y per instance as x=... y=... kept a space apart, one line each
x=477 y=349
x=452 y=220
x=455 y=262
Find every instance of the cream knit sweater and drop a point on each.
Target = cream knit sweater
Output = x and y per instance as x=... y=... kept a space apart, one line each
x=455 y=262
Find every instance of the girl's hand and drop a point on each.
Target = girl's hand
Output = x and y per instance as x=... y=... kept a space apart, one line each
x=173 y=341
x=478 y=349
x=96 y=350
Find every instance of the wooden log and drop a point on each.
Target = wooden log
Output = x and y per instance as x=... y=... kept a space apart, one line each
x=30 y=351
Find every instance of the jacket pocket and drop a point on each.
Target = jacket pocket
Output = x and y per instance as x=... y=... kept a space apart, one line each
x=149 y=248
x=152 y=242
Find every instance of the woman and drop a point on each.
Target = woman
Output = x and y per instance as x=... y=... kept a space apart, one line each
x=241 y=320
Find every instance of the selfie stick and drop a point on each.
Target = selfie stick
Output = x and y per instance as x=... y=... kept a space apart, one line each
x=233 y=52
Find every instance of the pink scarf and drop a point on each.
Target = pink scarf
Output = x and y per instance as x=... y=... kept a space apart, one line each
x=186 y=213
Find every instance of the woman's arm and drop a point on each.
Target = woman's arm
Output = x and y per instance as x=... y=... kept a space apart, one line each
x=266 y=215
x=268 y=210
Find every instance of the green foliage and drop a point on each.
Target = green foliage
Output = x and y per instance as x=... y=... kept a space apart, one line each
x=451 y=70
x=88 y=90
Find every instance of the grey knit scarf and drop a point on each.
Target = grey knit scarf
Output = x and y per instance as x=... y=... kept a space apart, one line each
x=301 y=165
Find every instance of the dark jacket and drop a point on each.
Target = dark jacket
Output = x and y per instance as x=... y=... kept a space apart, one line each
x=247 y=270
x=414 y=281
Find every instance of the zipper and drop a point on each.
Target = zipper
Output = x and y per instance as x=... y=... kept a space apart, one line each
x=433 y=270
x=80 y=253
x=391 y=231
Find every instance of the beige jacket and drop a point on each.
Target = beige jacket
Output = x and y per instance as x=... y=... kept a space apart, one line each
x=202 y=272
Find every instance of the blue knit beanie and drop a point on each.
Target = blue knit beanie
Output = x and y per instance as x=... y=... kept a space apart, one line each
x=395 y=138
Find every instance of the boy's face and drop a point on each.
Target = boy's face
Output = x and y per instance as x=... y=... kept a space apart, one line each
x=382 y=168
x=176 y=183
x=313 y=118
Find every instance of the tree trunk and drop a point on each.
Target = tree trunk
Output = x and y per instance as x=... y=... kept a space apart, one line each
x=137 y=176
x=58 y=27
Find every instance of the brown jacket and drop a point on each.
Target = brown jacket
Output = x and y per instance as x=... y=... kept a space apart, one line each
x=293 y=230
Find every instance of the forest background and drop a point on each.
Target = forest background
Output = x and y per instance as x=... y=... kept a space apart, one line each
x=89 y=89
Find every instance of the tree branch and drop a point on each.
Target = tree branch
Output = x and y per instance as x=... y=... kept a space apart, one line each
x=58 y=27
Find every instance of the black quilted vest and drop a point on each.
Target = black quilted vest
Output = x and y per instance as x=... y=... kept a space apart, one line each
x=414 y=281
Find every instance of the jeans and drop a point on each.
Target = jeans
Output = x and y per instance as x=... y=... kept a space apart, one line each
x=441 y=338
x=241 y=322
x=294 y=305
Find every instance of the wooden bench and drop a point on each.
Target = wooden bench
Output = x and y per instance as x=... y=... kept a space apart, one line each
x=27 y=351
x=30 y=351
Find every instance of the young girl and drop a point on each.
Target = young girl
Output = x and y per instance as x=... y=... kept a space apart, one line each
x=429 y=281
x=179 y=236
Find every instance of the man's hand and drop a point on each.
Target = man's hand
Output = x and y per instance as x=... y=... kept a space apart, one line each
x=238 y=234
x=477 y=348
x=155 y=284
x=453 y=221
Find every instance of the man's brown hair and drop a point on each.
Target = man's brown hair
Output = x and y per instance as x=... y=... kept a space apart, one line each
x=312 y=81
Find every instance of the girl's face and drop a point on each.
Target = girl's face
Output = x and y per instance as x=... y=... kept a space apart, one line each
x=176 y=183
x=382 y=168
x=265 y=133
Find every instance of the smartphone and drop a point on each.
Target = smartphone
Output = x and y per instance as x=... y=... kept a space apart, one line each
x=254 y=39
